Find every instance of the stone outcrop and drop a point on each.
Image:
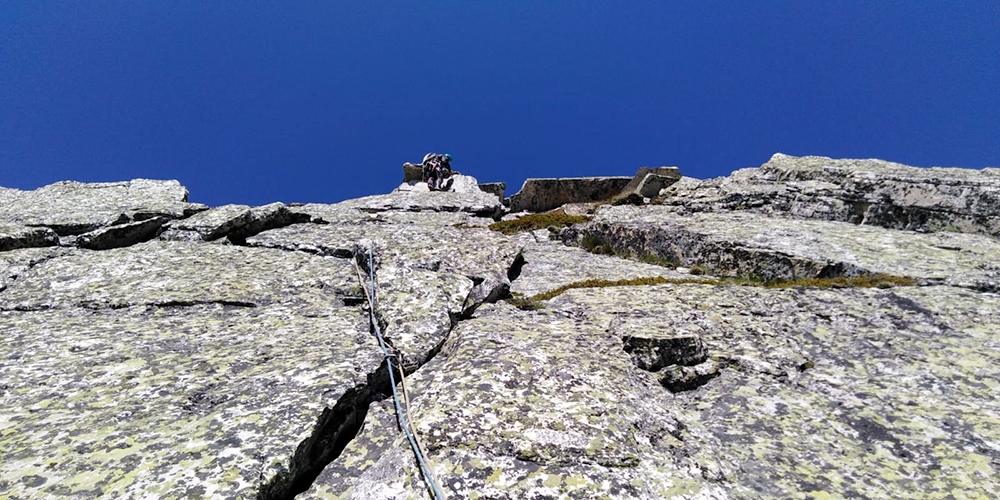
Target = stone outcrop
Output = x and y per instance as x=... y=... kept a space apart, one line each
x=13 y=237
x=496 y=188
x=648 y=182
x=236 y=222
x=159 y=349
x=870 y=192
x=774 y=248
x=539 y=195
x=71 y=208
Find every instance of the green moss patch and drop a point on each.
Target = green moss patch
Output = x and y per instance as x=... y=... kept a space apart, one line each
x=870 y=281
x=876 y=280
x=554 y=220
x=598 y=245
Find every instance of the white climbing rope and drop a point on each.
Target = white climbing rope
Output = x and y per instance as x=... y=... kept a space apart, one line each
x=402 y=414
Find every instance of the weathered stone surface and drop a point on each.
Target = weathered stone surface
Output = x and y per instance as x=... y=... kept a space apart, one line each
x=176 y=273
x=496 y=188
x=548 y=265
x=246 y=368
x=120 y=235
x=427 y=279
x=456 y=183
x=871 y=192
x=13 y=263
x=477 y=202
x=13 y=237
x=677 y=378
x=71 y=208
x=202 y=401
x=663 y=176
x=652 y=184
x=746 y=244
x=652 y=352
x=539 y=195
x=176 y=368
x=514 y=409
x=412 y=172
x=532 y=418
x=237 y=221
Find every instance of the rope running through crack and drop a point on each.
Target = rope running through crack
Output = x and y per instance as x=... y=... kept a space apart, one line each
x=402 y=414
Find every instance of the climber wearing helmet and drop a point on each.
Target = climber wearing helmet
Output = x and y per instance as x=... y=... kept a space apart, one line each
x=436 y=168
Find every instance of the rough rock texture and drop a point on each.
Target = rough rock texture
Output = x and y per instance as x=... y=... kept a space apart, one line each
x=770 y=248
x=475 y=201
x=236 y=222
x=539 y=195
x=820 y=392
x=71 y=208
x=121 y=235
x=497 y=188
x=549 y=265
x=412 y=172
x=648 y=182
x=871 y=192
x=232 y=357
x=13 y=237
x=456 y=183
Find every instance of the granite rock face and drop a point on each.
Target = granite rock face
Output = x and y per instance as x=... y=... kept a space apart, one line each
x=13 y=237
x=539 y=195
x=870 y=192
x=71 y=208
x=169 y=351
x=771 y=248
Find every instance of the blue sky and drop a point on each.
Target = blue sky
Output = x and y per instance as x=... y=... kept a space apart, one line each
x=254 y=102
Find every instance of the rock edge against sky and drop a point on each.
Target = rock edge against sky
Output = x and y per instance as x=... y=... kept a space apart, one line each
x=153 y=347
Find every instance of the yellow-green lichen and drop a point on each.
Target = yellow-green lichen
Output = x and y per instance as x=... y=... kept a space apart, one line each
x=532 y=222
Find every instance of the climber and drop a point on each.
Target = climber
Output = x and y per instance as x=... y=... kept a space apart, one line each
x=436 y=168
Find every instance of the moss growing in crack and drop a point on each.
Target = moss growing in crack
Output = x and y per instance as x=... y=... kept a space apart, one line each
x=598 y=245
x=877 y=280
x=556 y=220
x=534 y=302
x=595 y=244
x=868 y=281
x=656 y=260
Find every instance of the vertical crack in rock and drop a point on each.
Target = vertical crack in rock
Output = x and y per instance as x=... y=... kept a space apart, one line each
x=335 y=428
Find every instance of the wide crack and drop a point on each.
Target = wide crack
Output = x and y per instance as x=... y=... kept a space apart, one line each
x=335 y=428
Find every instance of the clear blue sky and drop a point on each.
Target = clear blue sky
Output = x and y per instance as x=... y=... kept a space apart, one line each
x=253 y=102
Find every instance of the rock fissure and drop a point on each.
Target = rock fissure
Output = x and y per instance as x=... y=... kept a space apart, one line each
x=333 y=431
x=239 y=365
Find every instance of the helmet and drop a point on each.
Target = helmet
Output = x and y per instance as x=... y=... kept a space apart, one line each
x=448 y=156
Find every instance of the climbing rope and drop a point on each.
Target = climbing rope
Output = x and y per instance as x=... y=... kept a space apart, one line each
x=402 y=414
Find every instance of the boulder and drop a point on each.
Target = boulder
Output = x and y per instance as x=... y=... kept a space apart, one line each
x=539 y=195
x=648 y=181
